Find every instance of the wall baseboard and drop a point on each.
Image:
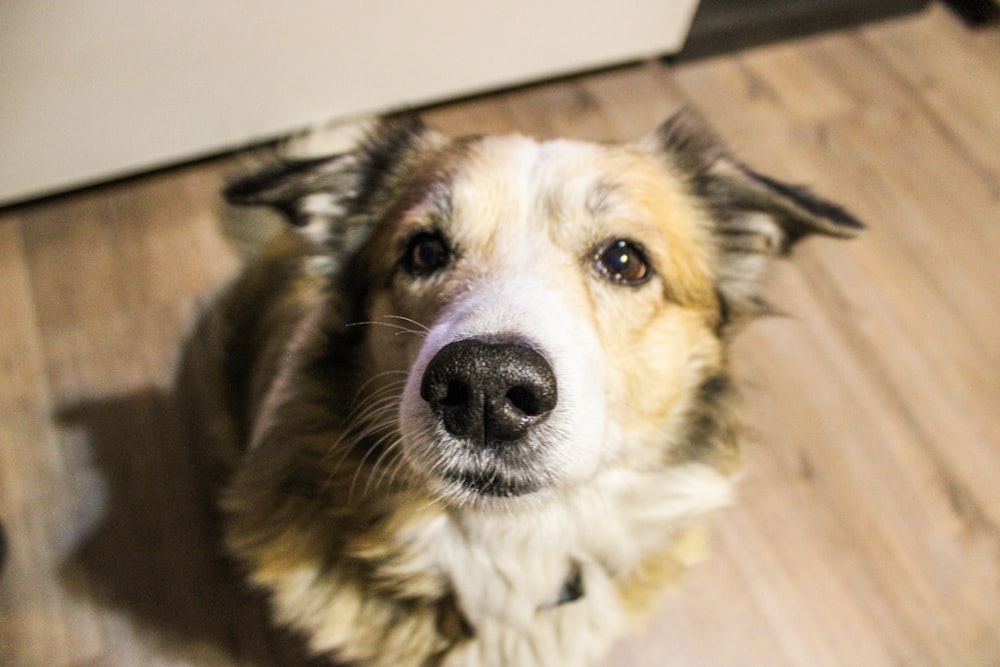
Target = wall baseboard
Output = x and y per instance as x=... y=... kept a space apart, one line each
x=976 y=12
x=722 y=26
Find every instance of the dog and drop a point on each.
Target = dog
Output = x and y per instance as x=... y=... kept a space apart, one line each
x=471 y=407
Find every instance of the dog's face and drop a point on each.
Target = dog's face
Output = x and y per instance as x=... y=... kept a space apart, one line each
x=569 y=308
x=563 y=305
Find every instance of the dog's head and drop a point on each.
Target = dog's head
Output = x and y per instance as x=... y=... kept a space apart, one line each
x=564 y=305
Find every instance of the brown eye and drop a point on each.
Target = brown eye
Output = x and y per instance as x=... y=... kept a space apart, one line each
x=426 y=252
x=622 y=262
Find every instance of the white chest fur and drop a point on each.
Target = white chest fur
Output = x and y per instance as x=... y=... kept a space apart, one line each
x=507 y=569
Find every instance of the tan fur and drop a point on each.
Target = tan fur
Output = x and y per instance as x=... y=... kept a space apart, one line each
x=335 y=497
x=642 y=590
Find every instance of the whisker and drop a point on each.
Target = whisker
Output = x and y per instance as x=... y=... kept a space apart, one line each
x=377 y=404
x=360 y=404
x=399 y=467
x=382 y=401
x=362 y=426
x=438 y=496
x=424 y=327
x=401 y=328
x=369 y=381
x=394 y=470
x=361 y=465
x=358 y=432
x=377 y=472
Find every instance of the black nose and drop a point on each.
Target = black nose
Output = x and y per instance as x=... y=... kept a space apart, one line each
x=489 y=392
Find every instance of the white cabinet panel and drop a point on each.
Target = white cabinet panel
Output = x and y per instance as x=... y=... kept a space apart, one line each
x=92 y=89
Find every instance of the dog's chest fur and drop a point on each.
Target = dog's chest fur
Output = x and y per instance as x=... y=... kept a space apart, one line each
x=512 y=567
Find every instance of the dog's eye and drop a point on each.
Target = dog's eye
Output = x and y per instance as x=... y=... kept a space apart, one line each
x=426 y=252
x=622 y=262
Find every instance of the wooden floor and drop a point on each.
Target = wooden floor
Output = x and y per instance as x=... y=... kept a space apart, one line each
x=868 y=526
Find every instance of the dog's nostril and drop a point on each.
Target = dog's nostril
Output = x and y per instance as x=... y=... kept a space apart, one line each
x=525 y=400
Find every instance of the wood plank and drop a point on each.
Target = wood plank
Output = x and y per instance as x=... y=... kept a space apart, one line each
x=877 y=485
x=554 y=110
x=481 y=115
x=928 y=52
x=616 y=105
x=635 y=100
x=40 y=624
x=150 y=245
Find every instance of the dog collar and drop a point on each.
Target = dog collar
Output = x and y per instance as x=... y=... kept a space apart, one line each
x=572 y=589
x=453 y=624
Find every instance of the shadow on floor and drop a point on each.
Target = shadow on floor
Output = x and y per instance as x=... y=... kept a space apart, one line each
x=154 y=554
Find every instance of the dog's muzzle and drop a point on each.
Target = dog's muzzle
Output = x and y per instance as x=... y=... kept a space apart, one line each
x=489 y=393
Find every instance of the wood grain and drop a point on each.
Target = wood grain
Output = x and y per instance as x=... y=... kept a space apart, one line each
x=867 y=530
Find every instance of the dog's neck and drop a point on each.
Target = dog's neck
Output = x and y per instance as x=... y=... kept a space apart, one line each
x=509 y=565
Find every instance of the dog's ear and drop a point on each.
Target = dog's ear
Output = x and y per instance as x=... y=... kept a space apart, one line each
x=753 y=218
x=323 y=196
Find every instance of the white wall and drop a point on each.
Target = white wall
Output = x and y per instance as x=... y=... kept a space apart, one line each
x=93 y=89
